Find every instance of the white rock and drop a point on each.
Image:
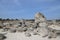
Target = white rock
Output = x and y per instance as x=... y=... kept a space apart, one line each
x=39 y=17
x=43 y=31
x=13 y=30
x=27 y=34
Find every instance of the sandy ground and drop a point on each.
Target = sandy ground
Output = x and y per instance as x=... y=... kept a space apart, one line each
x=21 y=36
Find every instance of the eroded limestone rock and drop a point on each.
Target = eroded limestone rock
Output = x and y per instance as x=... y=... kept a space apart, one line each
x=54 y=31
x=2 y=37
x=39 y=17
x=27 y=34
x=41 y=21
x=38 y=27
x=12 y=30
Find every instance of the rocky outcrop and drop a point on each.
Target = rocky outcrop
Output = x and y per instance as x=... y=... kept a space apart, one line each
x=38 y=26
x=42 y=23
x=2 y=37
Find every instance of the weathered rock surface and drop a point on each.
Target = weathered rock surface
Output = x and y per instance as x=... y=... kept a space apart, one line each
x=27 y=34
x=39 y=26
x=54 y=30
x=2 y=36
x=41 y=21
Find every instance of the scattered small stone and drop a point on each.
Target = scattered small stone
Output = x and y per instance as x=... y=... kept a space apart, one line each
x=30 y=29
x=25 y=29
x=27 y=34
x=35 y=33
x=13 y=30
x=2 y=37
x=38 y=27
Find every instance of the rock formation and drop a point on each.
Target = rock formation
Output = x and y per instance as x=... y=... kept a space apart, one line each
x=42 y=22
x=2 y=36
x=39 y=26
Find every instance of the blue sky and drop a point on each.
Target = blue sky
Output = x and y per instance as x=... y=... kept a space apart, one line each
x=26 y=9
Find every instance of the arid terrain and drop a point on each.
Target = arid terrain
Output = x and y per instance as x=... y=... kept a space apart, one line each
x=38 y=28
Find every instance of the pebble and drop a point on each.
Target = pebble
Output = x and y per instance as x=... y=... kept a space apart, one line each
x=27 y=34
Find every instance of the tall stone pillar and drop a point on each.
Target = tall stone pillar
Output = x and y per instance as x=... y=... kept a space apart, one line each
x=42 y=22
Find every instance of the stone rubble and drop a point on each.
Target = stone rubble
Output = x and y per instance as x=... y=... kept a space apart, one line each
x=2 y=36
x=39 y=27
